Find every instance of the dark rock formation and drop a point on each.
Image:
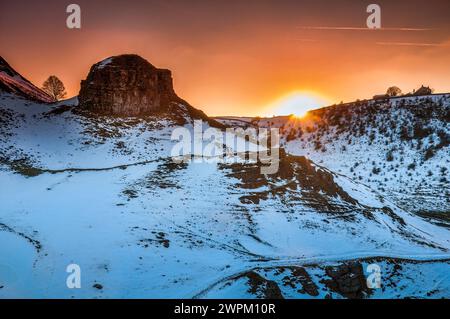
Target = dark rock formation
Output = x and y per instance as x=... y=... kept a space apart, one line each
x=127 y=85
x=261 y=287
x=347 y=280
x=97 y=286
x=301 y=276
x=5 y=67
x=312 y=185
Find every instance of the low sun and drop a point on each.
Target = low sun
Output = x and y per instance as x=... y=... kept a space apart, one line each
x=300 y=113
x=296 y=103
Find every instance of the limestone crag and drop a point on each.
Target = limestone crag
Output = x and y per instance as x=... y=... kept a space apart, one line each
x=126 y=85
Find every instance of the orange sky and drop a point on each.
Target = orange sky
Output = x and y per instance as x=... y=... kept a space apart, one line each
x=238 y=57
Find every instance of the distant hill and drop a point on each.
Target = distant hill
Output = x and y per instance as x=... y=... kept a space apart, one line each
x=398 y=146
x=12 y=82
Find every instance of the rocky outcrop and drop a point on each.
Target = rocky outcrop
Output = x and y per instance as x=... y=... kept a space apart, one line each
x=262 y=288
x=126 y=85
x=302 y=277
x=304 y=181
x=347 y=280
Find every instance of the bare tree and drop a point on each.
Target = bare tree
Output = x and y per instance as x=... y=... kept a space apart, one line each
x=54 y=87
x=394 y=91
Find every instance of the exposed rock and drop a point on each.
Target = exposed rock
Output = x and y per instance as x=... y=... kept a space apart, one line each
x=126 y=85
x=97 y=286
x=304 y=181
x=347 y=280
x=300 y=280
x=263 y=288
x=301 y=276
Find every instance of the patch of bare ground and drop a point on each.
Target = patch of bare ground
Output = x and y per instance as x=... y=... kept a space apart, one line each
x=439 y=218
x=164 y=176
x=300 y=280
x=297 y=180
x=347 y=280
x=23 y=166
x=262 y=288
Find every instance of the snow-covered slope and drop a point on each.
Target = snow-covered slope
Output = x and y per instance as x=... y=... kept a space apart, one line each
x=13 y=82
x=399 y=148
x=103 y=193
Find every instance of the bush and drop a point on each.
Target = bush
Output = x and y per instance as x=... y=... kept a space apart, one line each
x=404 y=134
x=429 y=153
x=390 y=156
x=421 y=131
x=394 y=91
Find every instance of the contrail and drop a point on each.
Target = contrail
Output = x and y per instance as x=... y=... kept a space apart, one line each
x=411 y=44
x=363 y=29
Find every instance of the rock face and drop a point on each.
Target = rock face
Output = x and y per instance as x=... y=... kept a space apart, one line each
x=262 y=288
x=127 y=85
x=348 y=280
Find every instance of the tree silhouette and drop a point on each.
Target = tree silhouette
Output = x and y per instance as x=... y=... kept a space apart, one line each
x=394 y=91
x=54 y=87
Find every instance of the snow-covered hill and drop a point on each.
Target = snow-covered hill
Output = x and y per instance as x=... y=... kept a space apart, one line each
x=398 y=147
x=103 y=193
x=13 y=82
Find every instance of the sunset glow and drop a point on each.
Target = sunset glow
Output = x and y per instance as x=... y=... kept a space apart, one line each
x=297 y=104
x=217 y=158
x=237 y=58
